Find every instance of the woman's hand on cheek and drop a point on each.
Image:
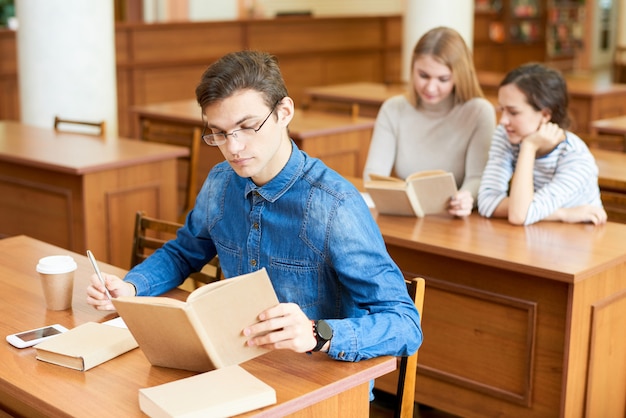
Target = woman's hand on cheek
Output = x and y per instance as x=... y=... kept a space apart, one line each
x=546 y=138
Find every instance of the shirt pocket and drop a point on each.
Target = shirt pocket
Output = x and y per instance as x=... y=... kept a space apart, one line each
x=296 y=281
x=230 y=259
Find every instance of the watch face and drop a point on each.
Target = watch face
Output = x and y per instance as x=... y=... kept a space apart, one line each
x=324 y=331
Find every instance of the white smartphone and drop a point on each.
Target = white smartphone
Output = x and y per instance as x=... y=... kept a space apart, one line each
x=35 y=336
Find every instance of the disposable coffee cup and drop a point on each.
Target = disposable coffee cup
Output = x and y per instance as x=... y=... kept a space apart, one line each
x=57 y=280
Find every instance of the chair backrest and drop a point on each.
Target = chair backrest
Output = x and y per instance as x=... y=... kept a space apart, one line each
x=405 y=394
x=95 y=128
x=190 y=137
x=152 y=233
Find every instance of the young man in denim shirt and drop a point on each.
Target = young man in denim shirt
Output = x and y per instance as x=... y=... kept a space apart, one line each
x=271 y=205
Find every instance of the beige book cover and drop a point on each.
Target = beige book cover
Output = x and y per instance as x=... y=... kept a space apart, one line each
x=86 y=346
x=422 y=193
x=219 y=393
x=205 y=331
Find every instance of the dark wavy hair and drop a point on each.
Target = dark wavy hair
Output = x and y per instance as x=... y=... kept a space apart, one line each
x=544 y=88
x=243 y=70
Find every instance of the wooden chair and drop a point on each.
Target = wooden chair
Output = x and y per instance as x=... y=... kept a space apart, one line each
x=188 y=169
x=99 y=128
x=152 y=233
x=406 y=373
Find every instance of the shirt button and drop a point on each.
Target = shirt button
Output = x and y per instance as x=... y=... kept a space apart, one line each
x=255 y=225
x=342 y=354
x=253 y=263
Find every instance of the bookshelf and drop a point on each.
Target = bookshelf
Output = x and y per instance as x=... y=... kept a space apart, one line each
x=565 y=21
x=508 y=33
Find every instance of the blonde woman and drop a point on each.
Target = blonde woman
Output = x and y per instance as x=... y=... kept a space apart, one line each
x=443 y=122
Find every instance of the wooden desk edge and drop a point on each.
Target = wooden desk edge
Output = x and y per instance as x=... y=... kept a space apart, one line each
x=385 y=364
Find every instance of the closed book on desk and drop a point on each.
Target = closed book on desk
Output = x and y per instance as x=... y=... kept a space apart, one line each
x=205 y=332
x=86 y=346
x=422 y=193
x=219 y=393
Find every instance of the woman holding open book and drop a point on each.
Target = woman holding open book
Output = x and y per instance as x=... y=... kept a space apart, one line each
x=443 y=123
x=537 y=170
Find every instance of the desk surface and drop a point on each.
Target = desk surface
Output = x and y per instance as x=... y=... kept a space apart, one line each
x=111 y=389
x=577 y=84
x=616 y=125
x=536 y=249
x=305 y=123
x=361 y=92
x=76 y=153
x=612 y=168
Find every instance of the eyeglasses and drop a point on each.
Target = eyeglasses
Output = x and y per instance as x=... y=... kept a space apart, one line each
x=242 y=134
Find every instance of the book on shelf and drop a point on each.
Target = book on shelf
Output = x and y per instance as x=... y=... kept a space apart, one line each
x=422 y=193
x=218 y=393
x=205 y=331
x=86 y=346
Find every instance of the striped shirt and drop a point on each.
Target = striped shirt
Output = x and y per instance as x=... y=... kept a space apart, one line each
x=566 y=177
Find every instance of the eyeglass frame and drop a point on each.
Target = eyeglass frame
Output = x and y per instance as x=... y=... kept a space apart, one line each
x=233 y=133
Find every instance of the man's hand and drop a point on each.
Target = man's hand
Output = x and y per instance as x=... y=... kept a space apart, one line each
x=117 y=287
x=283 y=326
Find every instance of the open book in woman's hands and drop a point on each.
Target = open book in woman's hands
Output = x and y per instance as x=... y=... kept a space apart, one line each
x=422 y=193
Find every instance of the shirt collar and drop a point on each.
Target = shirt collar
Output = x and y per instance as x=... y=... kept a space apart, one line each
x=275 y=188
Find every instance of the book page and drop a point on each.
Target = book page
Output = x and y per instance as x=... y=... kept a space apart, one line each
x=227 y=309
x=378 y=177
x=427 y=173
x=434 y=192
x=391 y=201
x=165 y=333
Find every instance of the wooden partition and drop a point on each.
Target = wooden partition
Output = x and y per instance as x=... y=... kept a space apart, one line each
x=164 y=61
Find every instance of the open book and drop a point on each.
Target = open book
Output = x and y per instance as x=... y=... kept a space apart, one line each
x=205 y=332
x=422 y=193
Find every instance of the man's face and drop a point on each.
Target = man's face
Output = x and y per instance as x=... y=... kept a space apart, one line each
x=259 y=155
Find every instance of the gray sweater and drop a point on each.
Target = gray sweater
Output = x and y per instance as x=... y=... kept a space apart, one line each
x=446 y=137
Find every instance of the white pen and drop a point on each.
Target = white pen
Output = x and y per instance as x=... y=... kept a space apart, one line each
x=95 y=267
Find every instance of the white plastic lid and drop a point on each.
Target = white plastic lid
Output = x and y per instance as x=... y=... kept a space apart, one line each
x=56 y=264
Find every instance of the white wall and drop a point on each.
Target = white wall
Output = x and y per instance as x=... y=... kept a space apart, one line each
x=212 y=10
x=66 y=61
x=603 y=58
x=333 y=7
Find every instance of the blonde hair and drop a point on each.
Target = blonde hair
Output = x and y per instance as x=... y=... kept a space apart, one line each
x=446 y=46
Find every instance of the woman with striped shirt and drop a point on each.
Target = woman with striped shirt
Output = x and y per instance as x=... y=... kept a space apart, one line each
x=537 y=170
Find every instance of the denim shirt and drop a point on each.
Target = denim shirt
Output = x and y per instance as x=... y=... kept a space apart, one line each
x=312 y=231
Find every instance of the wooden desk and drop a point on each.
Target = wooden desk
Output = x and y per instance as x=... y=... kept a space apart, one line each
x=519 y=321
x=364 y=98
x=591 y=98
x=359 y=98
x=611 y=179
x=610 y=126
x=341 y=141
x=612 y=182
x=309 y=386
x=78 y=191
